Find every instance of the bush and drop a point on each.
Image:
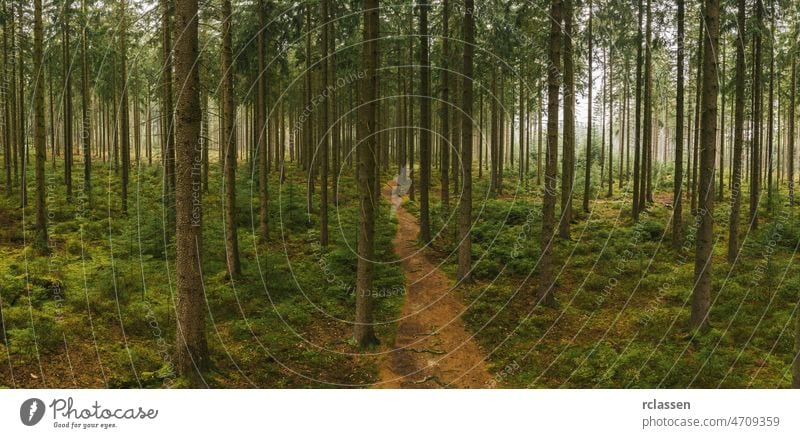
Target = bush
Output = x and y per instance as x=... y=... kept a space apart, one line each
x=43 y=337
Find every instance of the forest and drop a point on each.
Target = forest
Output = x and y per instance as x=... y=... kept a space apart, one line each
x=399 y=194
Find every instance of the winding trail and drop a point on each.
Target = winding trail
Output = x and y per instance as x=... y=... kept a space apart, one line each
x=432 y=348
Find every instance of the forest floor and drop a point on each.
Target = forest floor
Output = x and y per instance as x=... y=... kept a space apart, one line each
x=432 y=347
x=98 y=311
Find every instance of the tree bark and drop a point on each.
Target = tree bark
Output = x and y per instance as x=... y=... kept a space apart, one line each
x=229 y=136
x=645 y=186
x=677 y=198
x=425 y=127
x=366 y=150
x=67 y=98
x=445 y=116
x=261 y=121
x=755 y=149
x=167 y=138
x=465 y=205
x=637 y=155
x=568 y=143
x=39 y=133
x=192 y=350
x=546 y=281
x=325 y=123
x=738 y=138
x=587 y=180
x=124 y=128
x=701 y=298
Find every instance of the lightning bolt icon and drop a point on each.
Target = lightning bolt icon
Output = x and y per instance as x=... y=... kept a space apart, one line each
x=34 y=407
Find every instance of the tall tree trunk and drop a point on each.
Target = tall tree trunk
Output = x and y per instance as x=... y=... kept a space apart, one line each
x=324 y=123
x=168 y=140
x=39 y=133
x=611 y=122
x=547 y=281
x=309 y=160
x=8 y=98
x=647 y=146
x=603 y=101
x=366 y=150
x=22 y=149
x=568 y=144
x=722 y=93
x=701 y=298
x=677 y=198
x=445 y=118
x=755 y=149
x=412 y=189
x=86 y=108
x=637 y=154
x=124 y=128
x=425 y=127
x=192 y=350
x=587 y=180
x=334 y=105
x=493 y=134
x=465 y=205
x=67 y=98
x=261 y=120
x=791 y=137
x=738 y=138
x=770 y=102
x=539 y=131
x=522 y=130
x=229 y=135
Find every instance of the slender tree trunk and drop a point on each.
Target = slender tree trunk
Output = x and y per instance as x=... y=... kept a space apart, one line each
x=738 y=137
x=568 y=144
x=547 y=281
x=261 y=120
x=539 y=131
x=791 y=137
x=770 y=102
x=21 y=146
x=86 y=108
x=7 y=108
x=481 y=135
x=445 y=119
x=229 y=135
x=611 y=122
x=190 y=308
x=677 y=198
x=366 y=150
x=603 y=101
x=67 y=98
x=325 y=123
x=465 y=205
x=39 y=134
x=334 y=106
x=522 y=130
x=493 y=146
x=125 y=142
x=701 y=298
x=647 y=146
x=425 y=127
x=637 y=155
x=588 y=176
x=755 y=149
x=168 y=140
x=412 y=189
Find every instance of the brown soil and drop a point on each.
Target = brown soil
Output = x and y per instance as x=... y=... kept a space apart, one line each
x=432 y=348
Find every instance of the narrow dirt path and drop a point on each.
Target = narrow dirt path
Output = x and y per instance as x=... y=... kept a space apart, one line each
x=432 y=348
